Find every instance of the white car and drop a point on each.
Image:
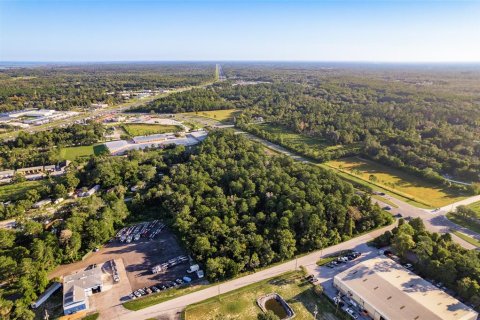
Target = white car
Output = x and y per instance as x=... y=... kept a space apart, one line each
x=351 y=313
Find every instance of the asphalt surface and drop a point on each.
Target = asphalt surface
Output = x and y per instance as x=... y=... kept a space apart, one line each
x=176 y=305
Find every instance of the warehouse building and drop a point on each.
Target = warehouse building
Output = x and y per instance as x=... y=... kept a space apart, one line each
x=78 y=286
x=385 y=290
x=155 y=141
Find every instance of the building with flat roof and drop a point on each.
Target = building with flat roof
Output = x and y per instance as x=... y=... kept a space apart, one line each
x=155 y=141
x=387 y=291
x=78 y=286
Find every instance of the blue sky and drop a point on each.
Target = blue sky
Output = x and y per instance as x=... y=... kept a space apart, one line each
x=375 y=31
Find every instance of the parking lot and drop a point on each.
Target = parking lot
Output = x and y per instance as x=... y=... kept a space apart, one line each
x=138 y=257
x=325 y=275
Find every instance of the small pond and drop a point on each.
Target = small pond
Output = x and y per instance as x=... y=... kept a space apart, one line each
x=275 y=303
x=277 y=308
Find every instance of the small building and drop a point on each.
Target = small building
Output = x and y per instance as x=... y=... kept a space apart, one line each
x=30 y=170
x=385 y=290
x=90 y=191
x=7 y=174
x=78 y=287
x=99 y=105
x=41 y=203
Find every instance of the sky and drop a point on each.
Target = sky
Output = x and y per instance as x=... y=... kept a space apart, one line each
x=137 y=30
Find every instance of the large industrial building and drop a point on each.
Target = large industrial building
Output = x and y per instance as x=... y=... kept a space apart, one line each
x=387 y=291
x=78 y=286
x=155 y=141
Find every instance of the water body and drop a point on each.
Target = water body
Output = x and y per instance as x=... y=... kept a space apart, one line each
x=277 y=308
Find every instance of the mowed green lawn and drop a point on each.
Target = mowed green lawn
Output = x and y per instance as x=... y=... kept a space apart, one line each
x=11 y=192
x=72 y=153
x=143 y=129
x=220 y=115
x=475 y=207
x=241 y=304
x=397 y=181
x=292 y=138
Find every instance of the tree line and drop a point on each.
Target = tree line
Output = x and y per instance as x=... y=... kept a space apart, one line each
x=68 y=87
x=237 y=209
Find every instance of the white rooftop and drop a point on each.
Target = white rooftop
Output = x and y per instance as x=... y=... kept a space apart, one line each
x=398 y=293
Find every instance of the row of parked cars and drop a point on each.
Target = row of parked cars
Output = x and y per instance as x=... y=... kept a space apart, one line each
x=159 y=287
x=145 y=229
x=344 y=258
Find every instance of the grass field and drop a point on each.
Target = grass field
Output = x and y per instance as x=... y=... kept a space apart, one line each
x=10 y=192
x=72 y=153
x=475 y=207
x=295 y=139
x=220 y=115
x=159 y=297
x=396 y=181
x=467 y=238
x=241 y=304
x=384 y=200
x=143 y=129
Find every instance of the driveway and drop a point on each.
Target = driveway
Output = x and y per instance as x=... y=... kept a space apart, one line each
x=309 y=261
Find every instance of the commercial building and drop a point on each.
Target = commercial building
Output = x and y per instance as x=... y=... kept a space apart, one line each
x=78 y=286
x=25 y=118
x=386 y=290
x=155 y=141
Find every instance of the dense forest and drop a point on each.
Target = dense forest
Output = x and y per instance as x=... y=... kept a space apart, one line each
x=69 y=86
x=233 y=206
x=36 y=246
x=437 y=257
x=236 y=209
x=422 y=121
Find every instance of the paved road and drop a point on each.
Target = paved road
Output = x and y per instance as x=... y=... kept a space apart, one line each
x=176 y=305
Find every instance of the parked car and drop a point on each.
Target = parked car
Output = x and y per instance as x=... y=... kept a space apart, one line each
x=351 y=313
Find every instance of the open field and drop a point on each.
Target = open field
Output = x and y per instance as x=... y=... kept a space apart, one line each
x=220 y=115
x=72 y=153
x=9 y=192
x=241 y=304
x=467 y=238
x=475 y=207
x=396 y=181
x=384 y=200
x=156 y=298
x=143 y=129
x=295 y=139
